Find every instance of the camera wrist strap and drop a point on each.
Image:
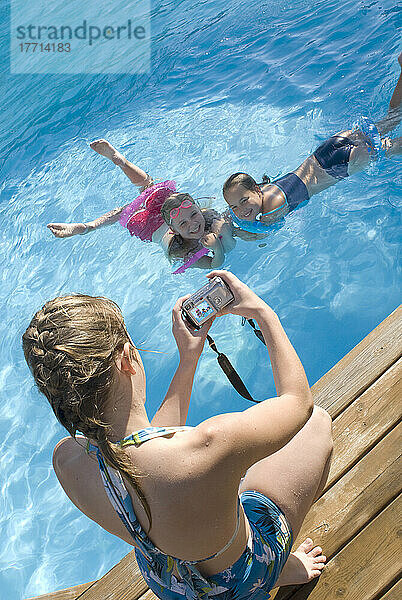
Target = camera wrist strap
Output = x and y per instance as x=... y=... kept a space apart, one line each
x=231 y=372
x=257 y=331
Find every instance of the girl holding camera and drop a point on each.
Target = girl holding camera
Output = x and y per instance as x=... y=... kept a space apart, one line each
x=212 y=510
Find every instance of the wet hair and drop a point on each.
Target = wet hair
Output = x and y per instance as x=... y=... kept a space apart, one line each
x=70 y=347
x=178 y=245
x=244 y=179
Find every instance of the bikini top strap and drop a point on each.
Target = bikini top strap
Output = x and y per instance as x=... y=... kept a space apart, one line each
x=230 y=542
x=117 y=493
x=281 y=207
x=149 y=433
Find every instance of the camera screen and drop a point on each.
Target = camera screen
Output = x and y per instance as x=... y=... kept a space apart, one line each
x=201 y=312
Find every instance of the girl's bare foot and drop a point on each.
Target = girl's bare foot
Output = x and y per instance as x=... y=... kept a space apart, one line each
x=64 y=230
x=103 y=148
x=303 y=565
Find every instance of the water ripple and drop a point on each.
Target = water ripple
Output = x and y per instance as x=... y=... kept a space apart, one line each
x=247 y=86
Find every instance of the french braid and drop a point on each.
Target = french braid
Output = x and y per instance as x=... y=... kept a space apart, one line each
x=70 y=346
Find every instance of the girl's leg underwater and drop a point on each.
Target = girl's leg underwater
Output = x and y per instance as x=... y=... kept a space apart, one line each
x=394 y=114
x=136 y=175
x=393 y=147
x=359 y=156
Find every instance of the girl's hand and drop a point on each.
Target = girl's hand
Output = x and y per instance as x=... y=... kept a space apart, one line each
x=64 y=230
x=209 y=240
x=246 y=303
x=217 y=225
x=190 y=342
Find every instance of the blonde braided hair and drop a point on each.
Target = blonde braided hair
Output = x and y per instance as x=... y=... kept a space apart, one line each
x=70 y=347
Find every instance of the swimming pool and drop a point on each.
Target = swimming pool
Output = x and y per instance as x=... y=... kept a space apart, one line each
x=242 y=85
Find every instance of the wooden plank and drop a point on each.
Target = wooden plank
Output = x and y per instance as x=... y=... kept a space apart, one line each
x=366 y=565
x=366 y=420
x=123 y=582
x=70 y=593
x=395 y=593
x=361 y=366
x=353 y=502
x=148 y=596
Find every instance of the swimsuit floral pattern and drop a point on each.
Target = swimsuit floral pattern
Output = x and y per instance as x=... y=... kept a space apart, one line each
x=252 y=576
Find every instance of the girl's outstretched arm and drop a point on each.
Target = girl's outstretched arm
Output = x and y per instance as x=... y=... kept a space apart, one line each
x=396 y=99
x=134 y=173
x=64 y=230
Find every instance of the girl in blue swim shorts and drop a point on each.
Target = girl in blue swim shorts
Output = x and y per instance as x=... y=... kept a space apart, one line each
x=253 y=206
x=212 y=510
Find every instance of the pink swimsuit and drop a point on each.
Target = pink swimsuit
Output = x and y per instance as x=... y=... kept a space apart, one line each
x=143 y=216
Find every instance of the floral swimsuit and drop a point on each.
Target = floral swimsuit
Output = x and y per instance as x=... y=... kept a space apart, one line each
x=253 y=575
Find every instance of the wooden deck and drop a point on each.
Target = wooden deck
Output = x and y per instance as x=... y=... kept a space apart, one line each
x=357 y=519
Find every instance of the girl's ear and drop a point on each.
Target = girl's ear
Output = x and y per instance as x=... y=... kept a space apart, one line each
x=172 y=227
x=126 y=360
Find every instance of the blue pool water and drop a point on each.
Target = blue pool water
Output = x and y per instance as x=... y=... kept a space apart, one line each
x=245 y=85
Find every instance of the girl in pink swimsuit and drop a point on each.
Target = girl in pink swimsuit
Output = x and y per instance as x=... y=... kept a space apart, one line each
x=183 y=229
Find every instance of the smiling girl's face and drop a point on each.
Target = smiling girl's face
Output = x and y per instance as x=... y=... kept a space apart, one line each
x=189 y=223
x=246 y=204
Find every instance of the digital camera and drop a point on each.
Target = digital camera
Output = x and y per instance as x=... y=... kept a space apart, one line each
x=206 y=302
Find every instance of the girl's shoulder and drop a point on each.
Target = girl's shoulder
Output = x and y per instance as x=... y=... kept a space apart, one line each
x=166 y=240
